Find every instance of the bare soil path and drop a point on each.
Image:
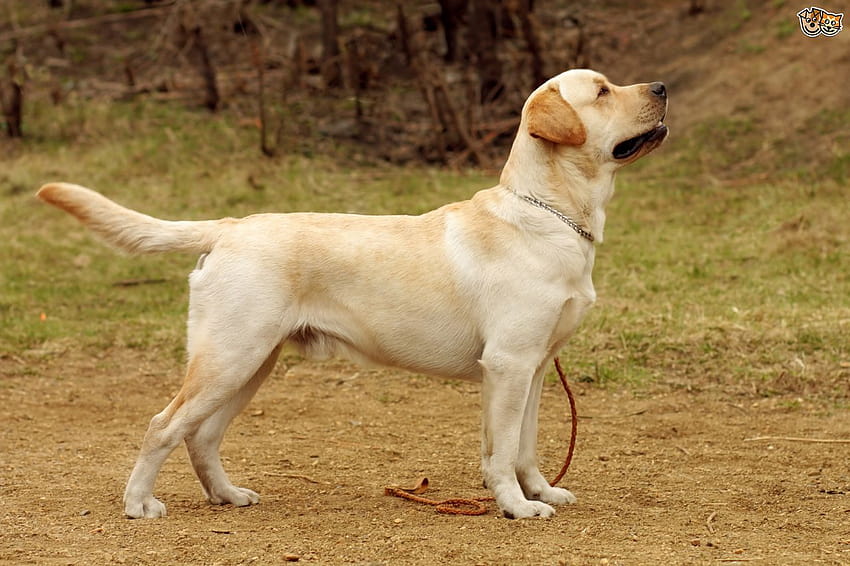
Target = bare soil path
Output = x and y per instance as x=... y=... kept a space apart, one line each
x=663 y=476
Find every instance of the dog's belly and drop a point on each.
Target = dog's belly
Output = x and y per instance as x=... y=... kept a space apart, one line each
x=422 y=346
x=375 y=319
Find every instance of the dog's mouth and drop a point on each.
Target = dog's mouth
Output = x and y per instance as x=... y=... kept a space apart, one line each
x=631 y=146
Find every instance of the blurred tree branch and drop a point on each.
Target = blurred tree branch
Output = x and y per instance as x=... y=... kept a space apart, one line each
x=331 y=59
x=13 y=102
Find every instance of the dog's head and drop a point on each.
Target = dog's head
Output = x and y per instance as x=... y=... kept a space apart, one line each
x=810 y=21
x=611 y=125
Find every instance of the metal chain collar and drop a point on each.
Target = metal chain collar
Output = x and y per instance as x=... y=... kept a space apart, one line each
x=567 y=220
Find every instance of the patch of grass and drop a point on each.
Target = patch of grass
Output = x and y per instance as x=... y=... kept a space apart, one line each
x=718 y=148
x=750 y=48
x=725 y=284
x=737 y=14
x=785 y=28
x=737 y=150
x=832 y=159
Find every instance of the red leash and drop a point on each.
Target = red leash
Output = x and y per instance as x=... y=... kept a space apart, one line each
x=573 y=423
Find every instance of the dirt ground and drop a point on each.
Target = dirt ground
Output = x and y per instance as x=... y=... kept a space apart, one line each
x=663 y=476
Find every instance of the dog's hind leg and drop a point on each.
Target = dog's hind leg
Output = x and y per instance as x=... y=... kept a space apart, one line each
x=533 y=484
x=215 y=376
x=203 y=444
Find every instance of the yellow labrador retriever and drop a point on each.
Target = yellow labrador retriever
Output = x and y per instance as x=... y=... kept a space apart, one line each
x=486 y=289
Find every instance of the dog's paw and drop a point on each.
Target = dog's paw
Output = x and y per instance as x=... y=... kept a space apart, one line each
x=238 y=496
x=527 y=509
x=144 y=508
x=553 y=495
x=537 y=488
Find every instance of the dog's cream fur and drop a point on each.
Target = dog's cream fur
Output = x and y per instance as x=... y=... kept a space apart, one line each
x=486 y=289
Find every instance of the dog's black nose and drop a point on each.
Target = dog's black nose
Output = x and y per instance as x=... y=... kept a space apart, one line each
x=658 y=89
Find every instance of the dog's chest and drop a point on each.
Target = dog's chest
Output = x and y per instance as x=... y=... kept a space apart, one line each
x=577 y=303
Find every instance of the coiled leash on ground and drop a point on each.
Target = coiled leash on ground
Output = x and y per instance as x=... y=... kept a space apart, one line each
x=475 y=506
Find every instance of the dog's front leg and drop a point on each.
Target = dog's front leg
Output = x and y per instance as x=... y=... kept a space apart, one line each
x=507 y=384
x=533 y=484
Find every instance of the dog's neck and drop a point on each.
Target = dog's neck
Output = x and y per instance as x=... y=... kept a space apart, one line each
x=577 y=187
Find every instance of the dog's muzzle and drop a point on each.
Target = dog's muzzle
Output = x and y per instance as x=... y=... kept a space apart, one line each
x=655 y=136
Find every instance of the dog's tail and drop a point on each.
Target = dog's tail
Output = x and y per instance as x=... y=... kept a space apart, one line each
x=127 y=229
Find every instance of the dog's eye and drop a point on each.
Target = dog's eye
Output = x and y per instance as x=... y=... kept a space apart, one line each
x=602 y=91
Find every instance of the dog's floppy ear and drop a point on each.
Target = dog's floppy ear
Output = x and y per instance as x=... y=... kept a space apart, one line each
x=552 y=118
